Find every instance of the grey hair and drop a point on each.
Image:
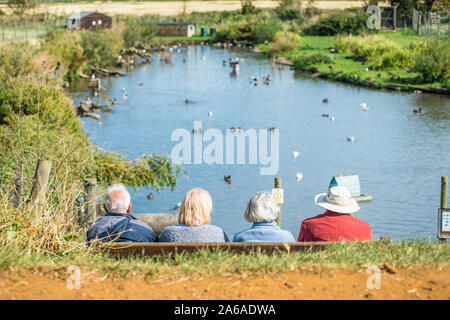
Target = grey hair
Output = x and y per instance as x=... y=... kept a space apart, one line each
x=120 y=204
x=262 y=208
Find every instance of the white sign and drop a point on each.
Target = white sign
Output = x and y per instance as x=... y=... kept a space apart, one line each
x=445 y=222
x=278 y=194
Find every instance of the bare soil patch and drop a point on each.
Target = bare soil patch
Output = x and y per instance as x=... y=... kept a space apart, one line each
x=305 y=283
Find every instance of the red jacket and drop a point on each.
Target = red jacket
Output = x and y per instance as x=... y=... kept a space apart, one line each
x=332 y=226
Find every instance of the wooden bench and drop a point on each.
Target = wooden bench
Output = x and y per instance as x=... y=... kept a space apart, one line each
x=152 y=249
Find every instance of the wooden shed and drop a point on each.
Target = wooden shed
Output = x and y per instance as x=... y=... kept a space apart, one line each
x=89 y=20
x=167 y=29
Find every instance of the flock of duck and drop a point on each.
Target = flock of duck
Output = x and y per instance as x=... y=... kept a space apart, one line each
x=363 y=106
x=254 y=81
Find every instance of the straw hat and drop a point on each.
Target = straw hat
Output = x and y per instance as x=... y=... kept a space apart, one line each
x=338 y=199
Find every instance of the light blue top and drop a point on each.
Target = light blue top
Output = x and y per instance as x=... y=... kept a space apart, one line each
x=264 y=232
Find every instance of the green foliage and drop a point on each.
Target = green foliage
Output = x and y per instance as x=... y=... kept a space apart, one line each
x=290 y=10
x=382 y=53
x=308 y=62
x=337 y=24
x=66 y=46
x=155 y=170
x=254 y=31
x=101 y=47
x=432 y=60
x=248 y=7
x=20 y=6
x=135 y=32
x=284 y=42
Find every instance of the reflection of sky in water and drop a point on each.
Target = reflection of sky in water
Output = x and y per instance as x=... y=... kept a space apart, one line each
x=399 y=155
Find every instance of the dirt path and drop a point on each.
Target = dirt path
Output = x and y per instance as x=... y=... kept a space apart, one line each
x=175 y=7
x=411 y=283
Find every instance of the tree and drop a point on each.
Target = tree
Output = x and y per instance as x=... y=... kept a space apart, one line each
x=422 y=5
x=20 y=6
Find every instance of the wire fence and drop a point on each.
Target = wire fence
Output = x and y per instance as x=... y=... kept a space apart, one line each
x=30 y=28
x=423 y=23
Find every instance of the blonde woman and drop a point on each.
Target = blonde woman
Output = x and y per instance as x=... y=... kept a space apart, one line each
x=194 y=219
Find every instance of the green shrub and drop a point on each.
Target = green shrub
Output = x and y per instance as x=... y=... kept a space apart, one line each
x=382 y=53
x=284 y=42
x=266 y=30
x=66 y=46
x=337 y=24
x=135 y=32
x=432 y=60
x=308 y=62
x=252 y=31
x=287 y=14
x=101 y=47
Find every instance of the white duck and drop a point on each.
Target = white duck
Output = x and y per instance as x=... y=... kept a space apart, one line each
x=295 y=154
x=299 y=176
x=364 y=106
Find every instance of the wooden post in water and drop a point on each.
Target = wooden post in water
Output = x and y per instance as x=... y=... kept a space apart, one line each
x=90 y=214
x=277 y=185
x=444 y=190
x=38 y=192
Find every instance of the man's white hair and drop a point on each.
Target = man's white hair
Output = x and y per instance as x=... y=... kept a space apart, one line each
x=120 y=202
x=262 y=208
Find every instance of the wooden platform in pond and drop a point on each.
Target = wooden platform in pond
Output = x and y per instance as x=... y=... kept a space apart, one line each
x=160 y=249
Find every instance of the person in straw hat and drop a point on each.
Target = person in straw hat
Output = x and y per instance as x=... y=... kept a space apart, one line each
x=337 y=223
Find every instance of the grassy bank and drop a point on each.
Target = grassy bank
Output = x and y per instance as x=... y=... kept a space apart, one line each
x=13 y=256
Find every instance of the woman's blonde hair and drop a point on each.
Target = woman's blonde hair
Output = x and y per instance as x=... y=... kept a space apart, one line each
x=196 y=208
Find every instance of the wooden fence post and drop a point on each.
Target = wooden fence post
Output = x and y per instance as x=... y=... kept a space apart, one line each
x=444 y=190
x=17 y=192
x=90 y=213
x=39 y=189
x=277 y=185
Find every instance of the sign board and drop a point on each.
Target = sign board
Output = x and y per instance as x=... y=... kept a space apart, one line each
x=278 y=194
x=444 y=223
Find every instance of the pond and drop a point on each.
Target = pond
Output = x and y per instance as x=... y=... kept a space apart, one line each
x=399 y=155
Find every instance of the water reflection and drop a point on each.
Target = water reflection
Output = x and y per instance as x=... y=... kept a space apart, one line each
x=399 y=155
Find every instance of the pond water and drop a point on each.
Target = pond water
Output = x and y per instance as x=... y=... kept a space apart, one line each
x=399 y=155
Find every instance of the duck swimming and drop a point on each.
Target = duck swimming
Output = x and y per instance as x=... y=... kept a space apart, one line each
x=227 y=179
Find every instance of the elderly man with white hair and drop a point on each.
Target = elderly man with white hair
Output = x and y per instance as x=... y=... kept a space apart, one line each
x=118 y=224
x=263 y=211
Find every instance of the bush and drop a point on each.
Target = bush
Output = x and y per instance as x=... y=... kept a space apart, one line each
x=337 y=24
x=101 y=47
x=287 y=14
x=134 y=33
x=266 y=30
x=249 y=32
x=432 y=61
x=376 y=49
x=308 y=62
x=66 y=46
x=284 y=42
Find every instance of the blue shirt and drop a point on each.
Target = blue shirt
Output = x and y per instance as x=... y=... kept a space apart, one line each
x=264 y=232
x=121 y=228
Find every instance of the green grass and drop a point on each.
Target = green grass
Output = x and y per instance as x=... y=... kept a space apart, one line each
x=338 y=255
x=342 y=62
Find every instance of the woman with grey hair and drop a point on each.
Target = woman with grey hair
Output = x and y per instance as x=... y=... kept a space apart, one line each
x=263 y=211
